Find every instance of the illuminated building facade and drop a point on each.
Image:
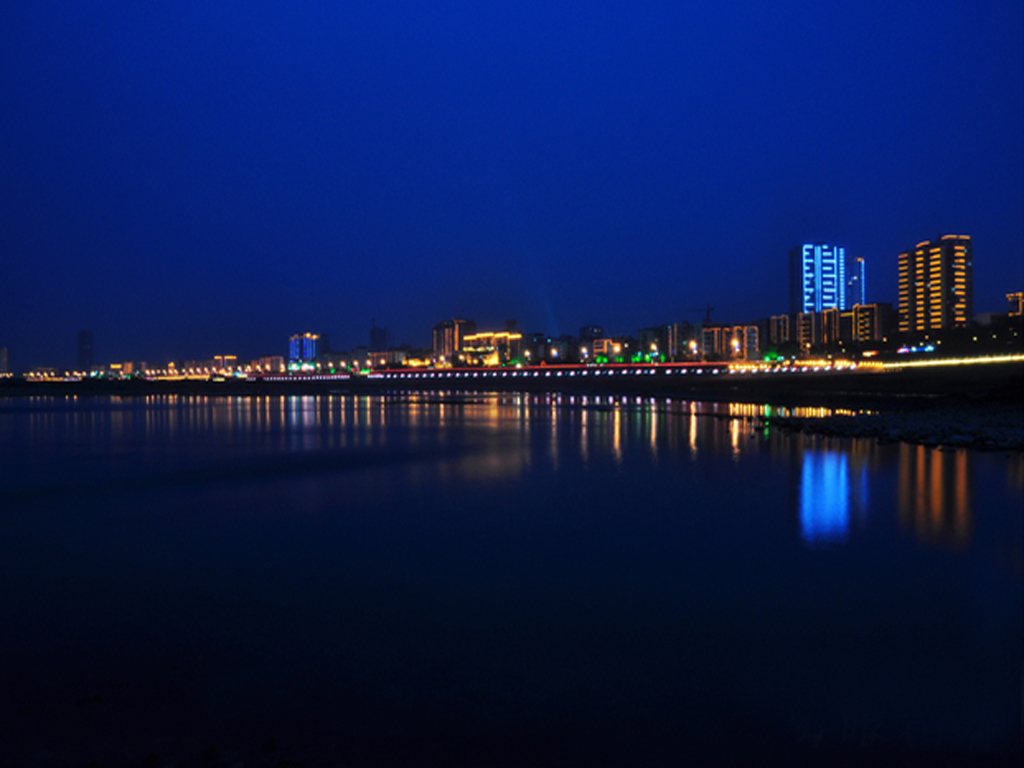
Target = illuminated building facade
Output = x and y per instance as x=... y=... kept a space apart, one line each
x=714 y=342
x=831 y=325
x=609 y=351
x=1015 y=303
x=491 y=348
x=304 y=348
x=745 y=342
x=872 y=322
x=936 y=285
x=808 y=330
x=677 y=340
x=388 y=358
x=653 y=343
x=448 y=338
x=269 y=364
x=817 y=278
x=588 y=333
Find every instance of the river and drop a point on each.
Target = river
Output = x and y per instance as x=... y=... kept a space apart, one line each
x=497 y=579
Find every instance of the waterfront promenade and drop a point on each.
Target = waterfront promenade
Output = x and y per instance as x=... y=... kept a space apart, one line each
x=876 y=386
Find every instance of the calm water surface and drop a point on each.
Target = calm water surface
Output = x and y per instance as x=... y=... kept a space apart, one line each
x=489 y=578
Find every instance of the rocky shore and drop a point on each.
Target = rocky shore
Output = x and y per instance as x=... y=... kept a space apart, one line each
x=993 y=427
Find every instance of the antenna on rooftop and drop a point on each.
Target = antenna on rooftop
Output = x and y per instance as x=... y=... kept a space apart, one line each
x=707 y=309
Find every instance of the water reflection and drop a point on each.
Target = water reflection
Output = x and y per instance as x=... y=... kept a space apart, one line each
x=592 y=427
x=935 y=494
x=499 y=436
x=834 y=487
x=825 y=497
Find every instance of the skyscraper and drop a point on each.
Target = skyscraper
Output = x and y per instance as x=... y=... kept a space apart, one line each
x=85 y=353
x=817 y=278
x=855 y=293
x=936 y=284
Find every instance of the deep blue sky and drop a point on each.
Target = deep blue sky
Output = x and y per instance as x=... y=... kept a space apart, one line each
x=187 y=179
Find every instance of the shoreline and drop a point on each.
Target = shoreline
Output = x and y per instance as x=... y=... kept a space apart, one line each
x=894 y=389
x=984 y=427
x=978 y=407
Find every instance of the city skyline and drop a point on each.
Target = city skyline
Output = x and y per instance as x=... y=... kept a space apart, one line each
x=811 y=326
x=184 y=182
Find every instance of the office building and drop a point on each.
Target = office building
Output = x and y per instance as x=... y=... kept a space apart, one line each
x=304 y=348
x=5 y=361
x=449 y=336
x=817 y=278
x=85 y=351
x=936 y=285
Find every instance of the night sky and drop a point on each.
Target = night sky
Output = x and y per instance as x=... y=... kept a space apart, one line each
x=190 y=179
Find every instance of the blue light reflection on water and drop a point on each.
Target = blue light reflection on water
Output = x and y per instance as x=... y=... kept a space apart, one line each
x=824 y=497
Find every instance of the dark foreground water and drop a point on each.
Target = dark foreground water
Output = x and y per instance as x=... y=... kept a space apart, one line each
x=496 y=580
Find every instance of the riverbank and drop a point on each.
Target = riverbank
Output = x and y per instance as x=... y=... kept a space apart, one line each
x=889 y=389
x=993 y=427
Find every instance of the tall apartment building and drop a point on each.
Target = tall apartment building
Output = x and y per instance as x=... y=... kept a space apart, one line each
x=936 y=285
x=817 y=278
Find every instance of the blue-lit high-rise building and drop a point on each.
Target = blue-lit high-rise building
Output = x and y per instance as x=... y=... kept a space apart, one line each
x=304 y=348
x=817 y=278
